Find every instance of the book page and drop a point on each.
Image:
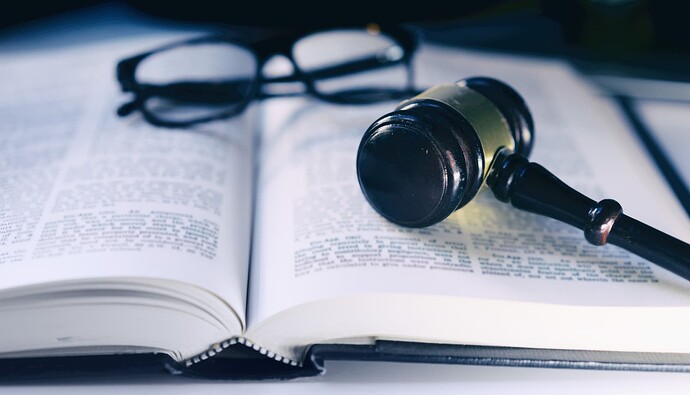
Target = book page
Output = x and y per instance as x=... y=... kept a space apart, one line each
x=317 y=238
x=87 y=194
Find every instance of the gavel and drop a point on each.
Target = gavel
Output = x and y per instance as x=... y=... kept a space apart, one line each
x=430 y=156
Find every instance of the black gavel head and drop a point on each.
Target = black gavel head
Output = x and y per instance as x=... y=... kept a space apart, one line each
x=429 y=157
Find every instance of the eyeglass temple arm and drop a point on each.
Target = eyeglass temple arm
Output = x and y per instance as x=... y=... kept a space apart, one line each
x=350 y=67
x=230 y=91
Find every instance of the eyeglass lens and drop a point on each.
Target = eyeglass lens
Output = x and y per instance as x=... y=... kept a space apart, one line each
x=360 y=50
x=203 y=80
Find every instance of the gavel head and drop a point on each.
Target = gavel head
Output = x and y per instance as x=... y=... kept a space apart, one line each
x=429 y=157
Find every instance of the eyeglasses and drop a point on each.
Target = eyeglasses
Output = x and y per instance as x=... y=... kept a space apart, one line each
x=215 y=77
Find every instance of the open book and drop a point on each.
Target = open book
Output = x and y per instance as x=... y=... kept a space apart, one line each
x=120 y=238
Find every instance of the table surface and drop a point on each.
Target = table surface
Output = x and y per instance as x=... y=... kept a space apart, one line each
x=399 y=378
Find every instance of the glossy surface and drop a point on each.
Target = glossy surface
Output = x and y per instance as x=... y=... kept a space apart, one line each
x=402 y=173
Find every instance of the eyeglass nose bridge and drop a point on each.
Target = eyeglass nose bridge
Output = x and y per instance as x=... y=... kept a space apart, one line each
x=280 y=75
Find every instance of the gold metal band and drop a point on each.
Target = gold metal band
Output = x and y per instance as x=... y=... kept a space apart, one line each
x=490 y=125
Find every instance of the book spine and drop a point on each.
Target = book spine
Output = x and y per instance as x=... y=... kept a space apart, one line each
x=219 y=347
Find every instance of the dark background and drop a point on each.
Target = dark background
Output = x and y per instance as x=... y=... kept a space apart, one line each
x=643 y=37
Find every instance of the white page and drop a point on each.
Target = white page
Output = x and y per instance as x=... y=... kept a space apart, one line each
x=310 y=207
x=87 y=194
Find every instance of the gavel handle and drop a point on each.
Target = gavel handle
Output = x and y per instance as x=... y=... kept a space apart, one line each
x=530 y=187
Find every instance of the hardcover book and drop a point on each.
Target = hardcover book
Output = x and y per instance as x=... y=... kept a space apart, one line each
x=244 y=248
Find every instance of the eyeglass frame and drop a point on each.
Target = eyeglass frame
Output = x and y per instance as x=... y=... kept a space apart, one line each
x=262 y=50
